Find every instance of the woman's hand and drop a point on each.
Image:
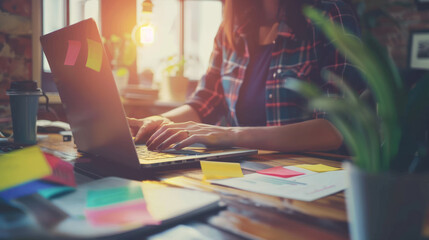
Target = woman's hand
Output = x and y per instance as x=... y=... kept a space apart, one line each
x=142 y=129
x=184 y=134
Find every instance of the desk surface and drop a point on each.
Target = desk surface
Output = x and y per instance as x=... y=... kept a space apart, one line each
x=252 y=215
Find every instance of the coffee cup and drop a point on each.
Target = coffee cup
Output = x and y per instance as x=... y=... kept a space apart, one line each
x=24 y=103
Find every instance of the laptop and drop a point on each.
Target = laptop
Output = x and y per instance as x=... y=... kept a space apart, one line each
x=93 y=106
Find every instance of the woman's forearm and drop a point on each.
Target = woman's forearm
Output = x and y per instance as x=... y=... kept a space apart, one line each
x=312 y=135
x=183 y=113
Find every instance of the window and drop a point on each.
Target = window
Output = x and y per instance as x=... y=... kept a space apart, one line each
x=57 y=14
x=201 y=21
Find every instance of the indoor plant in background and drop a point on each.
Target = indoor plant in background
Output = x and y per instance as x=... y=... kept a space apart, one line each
x=175 y=84
x=388 y=179
x=122 y=52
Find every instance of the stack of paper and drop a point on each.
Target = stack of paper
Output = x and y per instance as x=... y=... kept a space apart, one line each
x=302 y=182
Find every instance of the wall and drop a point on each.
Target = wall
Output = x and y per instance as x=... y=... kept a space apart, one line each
x=396 y=35
x=15 y=49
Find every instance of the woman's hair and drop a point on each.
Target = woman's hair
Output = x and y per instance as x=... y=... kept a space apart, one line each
x=238 y=12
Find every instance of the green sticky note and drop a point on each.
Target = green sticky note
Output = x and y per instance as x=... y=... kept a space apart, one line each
x=318 y=167
x=105 y=197
x=51 y=193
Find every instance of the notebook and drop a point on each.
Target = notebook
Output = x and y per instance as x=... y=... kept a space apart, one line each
x=93 y=106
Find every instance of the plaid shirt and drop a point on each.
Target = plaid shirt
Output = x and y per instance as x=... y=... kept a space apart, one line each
x=217 y=93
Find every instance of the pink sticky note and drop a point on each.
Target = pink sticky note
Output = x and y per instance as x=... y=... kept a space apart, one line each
x=127 y=213
x=280 y=172
x=62 y=172
x=72 y=52
x=95 y=55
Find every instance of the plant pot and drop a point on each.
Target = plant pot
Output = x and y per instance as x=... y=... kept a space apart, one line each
x=121 y=76
x=385 y=205
x=177 y=88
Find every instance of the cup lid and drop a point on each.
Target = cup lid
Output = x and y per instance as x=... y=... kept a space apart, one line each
x=23 y=87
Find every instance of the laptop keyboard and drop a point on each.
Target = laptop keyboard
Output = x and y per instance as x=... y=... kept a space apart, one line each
x=6 y=147
x=146 y=154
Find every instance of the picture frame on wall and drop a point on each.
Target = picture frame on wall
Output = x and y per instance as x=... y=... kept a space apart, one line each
x=422 y=4
x=418 y=50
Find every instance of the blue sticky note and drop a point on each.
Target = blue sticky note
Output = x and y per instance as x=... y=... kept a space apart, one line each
x=50 y=193
x=25 y=189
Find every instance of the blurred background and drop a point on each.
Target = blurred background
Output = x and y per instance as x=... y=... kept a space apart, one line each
x=160 y=45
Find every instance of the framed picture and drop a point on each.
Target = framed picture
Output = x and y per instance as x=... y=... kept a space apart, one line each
x=422 y=4
x=418 y=50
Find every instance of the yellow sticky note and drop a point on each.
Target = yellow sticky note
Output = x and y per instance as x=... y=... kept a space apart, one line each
x=21 y=166
x=318 y=167
x=95 y=55
x=220 y=170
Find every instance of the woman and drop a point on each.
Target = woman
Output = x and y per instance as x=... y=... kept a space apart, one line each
x=260 y=44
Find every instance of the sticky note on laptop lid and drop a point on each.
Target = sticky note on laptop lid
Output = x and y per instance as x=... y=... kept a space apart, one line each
x=72 y=52
x=220 y=170
x=318 y=167
x=95 y=55
x=21 y=166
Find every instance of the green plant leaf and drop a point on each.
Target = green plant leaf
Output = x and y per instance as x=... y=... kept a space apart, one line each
x=377 y=70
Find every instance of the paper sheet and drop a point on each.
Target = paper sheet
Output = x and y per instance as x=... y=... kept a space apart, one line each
x=109 y=196
x=220 y=170
x=307 y=187
x=72 y=52
x=318 y=167
x=21 y=166
x=95 y=55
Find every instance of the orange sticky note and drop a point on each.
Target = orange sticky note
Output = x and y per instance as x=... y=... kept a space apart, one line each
x=72 y=52
x=220 y=170
x=95 y=55
x=21 y=166
x=318 y=167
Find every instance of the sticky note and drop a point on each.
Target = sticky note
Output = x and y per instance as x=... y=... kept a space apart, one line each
x=21 y=166
x=129 y=213
x=104 y=197
x=280 y=171
x=62 y=172
x=220 y=170
x=25 y=189
x=95 y=55
x=53 y=192
x=318 y=167
x=72 y=52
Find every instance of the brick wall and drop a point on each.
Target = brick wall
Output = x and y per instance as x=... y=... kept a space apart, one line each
x=15 y=49
x=396 y=36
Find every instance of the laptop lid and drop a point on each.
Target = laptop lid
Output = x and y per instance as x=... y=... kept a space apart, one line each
x=88 y=92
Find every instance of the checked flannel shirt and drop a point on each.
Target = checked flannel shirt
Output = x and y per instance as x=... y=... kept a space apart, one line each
x=216 y=95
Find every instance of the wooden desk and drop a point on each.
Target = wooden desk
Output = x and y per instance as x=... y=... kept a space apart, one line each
x=248 y=214
x=252 y=215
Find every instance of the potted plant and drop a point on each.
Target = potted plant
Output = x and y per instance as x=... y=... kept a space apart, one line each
x=388 y=182
x=175 y=83
x=122 y=52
